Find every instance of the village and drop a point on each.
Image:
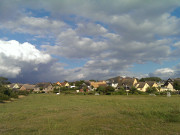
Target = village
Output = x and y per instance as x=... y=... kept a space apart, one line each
x=117 y=83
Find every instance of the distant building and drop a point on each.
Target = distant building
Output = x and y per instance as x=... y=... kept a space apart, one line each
x=44 y=87
x=27 y=87
x=95 y=85
x=142 y=86
x=125 y=82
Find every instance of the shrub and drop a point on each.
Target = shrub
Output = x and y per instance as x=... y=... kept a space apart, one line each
x=105 y=90
x=136 y=93
x=23 y=92
x=91 y=93
x=141 y=92
x=133 y=90
x=163 y=93
x=108 y=93
x=67 y=92
x=56 y=90
x=64 y=88
x=119 y=92
x=110 y=89
x=151 y=90
x=14 y=95
x=7 y=91
x=121 y=88
x=174 y=92
x=3 y=97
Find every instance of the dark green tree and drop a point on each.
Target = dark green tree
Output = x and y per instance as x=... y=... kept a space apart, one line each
x=133 y=90
x=6 y=93
x=79 y=83
x=110 y=89
x=101 y=89
x=176 y=85
x=4 y=80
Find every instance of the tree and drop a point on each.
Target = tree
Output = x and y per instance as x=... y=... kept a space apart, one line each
x=3 y=81
x=6 y=93
x=176 y=85
x=133 y=90
x=101 y=89
x=110 y=89
x=79 y=83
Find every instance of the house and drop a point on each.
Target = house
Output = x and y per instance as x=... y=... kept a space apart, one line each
x=27 y=87
x=15 y=86
x=10 y=85
x=45 y=87
x=152 y=84
x=161 y=83
x=111 y=83
x=58 y=83
x=65 y=84
x=95 y=85
x=125 y=82
x=142 y=86
x=168 y=86
x=128 y=82
x=86 y=86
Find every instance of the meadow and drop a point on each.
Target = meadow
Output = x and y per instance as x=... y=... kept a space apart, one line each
x=50 y=114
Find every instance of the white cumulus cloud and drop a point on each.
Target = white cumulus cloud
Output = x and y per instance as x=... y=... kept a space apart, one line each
x=14 y=56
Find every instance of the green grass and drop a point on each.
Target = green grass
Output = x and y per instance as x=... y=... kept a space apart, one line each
x=49 y=114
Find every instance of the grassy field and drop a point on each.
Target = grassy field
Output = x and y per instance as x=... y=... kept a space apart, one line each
x=49 y=114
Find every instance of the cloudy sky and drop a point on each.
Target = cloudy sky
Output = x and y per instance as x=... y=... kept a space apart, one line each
x=56 y=40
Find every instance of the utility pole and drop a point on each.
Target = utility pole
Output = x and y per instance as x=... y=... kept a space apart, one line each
x=59 y=90
x=127 y=90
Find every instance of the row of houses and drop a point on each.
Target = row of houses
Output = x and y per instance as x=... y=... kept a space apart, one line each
x=116 y=82
x=45 y=87
x=128 y=82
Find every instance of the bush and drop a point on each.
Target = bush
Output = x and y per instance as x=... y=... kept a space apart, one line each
x=106 y=90
x=141 y=92
x=23 y=92
x=119 y=92
x=7 y=91
x=174 y=92
x=13 y=95
x=121 y=88
x=136 y=93
x=163 y=93
x=110 y=89
x=56 y=90
x=133 y=90
x=108 y=93
x=91 y=93
x=151 y=90
x=4 y=97
x=67 y=92
x=64 y=88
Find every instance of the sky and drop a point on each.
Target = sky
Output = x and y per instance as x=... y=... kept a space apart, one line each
x=57 y=40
